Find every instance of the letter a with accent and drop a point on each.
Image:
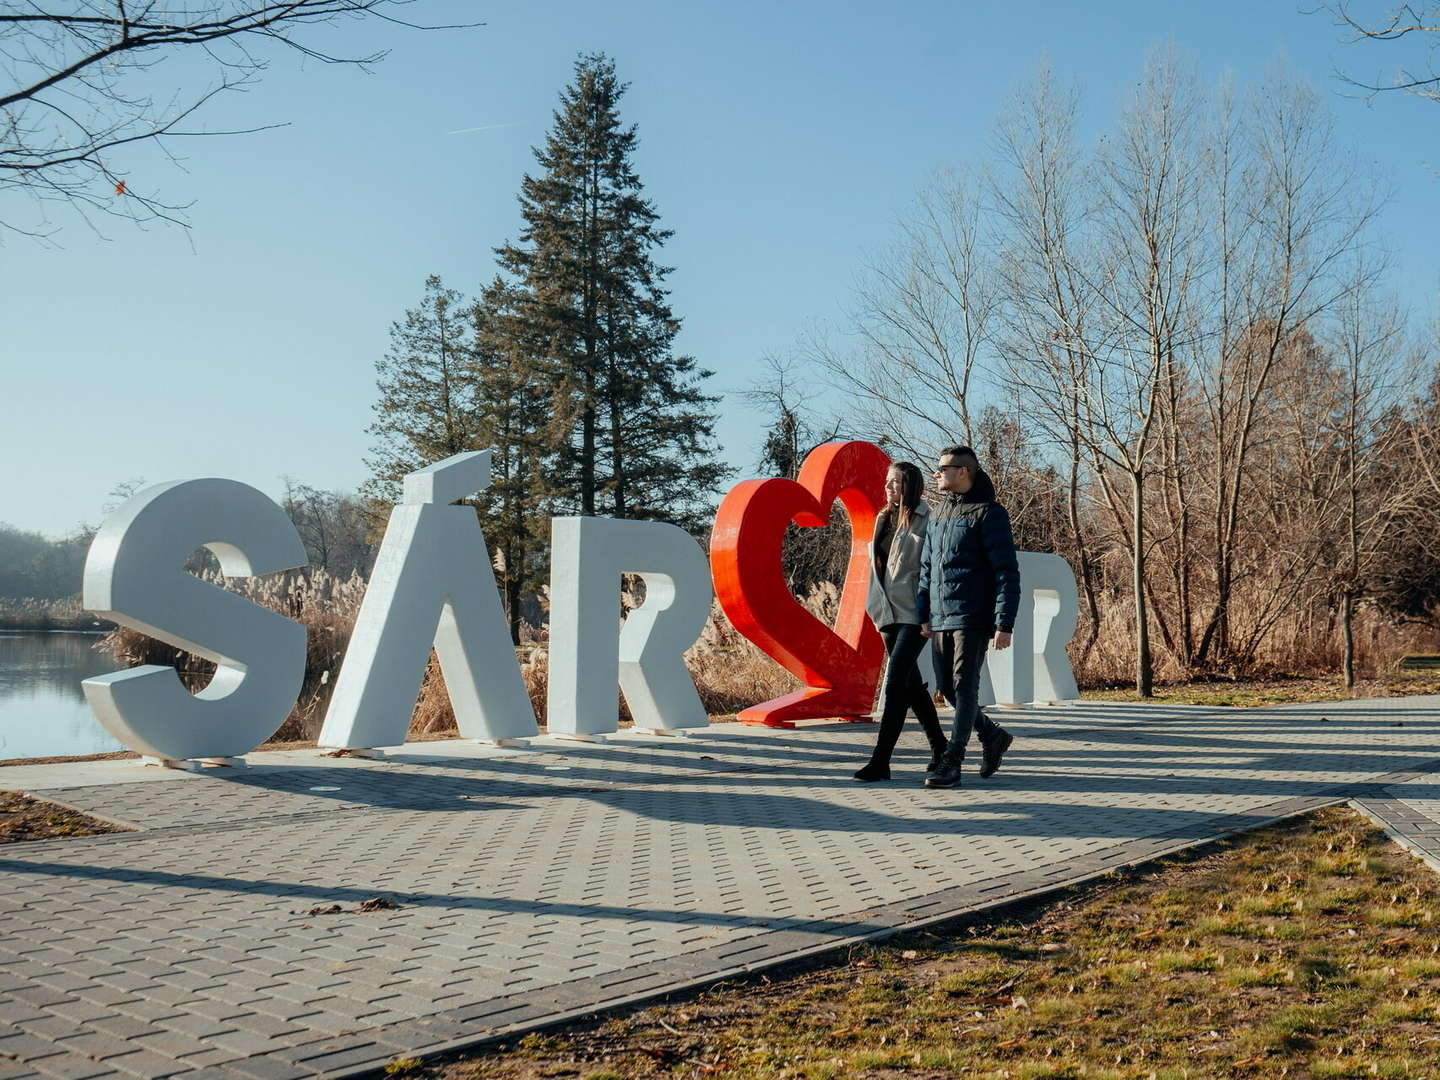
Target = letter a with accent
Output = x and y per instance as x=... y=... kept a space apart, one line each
x=432 y=583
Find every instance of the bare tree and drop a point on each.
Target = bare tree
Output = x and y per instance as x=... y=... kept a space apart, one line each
x=1371 y=358
x=1292 y=214
x=1405 y=581
x=810 y=556
x=79 y=82
x=1395 y=23
x=333 y=527
x=794 y=431
x=923 y=317
x=1150 y=231
x=1039 y=196
x=1424 y=430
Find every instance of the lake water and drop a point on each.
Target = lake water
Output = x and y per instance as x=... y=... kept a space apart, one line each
x=42 y=708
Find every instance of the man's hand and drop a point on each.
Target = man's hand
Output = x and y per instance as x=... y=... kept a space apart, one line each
x=1002 y=640
x=924 y=629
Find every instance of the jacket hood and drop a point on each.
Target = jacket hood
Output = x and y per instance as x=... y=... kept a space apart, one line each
x=981 y=491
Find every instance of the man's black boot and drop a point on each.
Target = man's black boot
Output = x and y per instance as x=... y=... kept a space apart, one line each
x=994 y=749
x=948 y=774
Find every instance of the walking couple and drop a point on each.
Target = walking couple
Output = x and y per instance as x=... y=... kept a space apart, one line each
x=949 y=573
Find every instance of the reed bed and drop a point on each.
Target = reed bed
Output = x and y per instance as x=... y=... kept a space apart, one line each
x=29 y=613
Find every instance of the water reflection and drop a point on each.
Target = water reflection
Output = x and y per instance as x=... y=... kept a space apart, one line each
x=42 y=708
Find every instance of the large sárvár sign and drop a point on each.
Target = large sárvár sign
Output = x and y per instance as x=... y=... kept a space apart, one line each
x=433 y=587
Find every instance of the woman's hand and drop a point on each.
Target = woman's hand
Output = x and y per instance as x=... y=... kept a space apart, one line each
x=924 y=629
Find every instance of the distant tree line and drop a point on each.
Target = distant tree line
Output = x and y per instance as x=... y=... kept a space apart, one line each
x=564 y=364
x=35 y=566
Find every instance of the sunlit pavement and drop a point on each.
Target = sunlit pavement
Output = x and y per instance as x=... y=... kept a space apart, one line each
x=551 y=881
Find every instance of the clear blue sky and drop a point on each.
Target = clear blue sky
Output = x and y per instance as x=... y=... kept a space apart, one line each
x=779 y=141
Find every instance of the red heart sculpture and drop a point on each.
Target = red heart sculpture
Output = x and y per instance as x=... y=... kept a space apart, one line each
x=841 y=666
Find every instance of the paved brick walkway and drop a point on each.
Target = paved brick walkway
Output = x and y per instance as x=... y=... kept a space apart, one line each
x=547 y=882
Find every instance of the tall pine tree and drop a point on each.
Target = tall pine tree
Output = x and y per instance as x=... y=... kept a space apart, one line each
x=455 y=380
x=517 y=423
x=634 y=428
x=428 y=405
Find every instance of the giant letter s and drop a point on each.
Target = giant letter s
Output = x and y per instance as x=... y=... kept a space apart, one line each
x=135 y=575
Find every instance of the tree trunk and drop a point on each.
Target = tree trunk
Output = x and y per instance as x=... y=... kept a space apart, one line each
x=512 y=604
x=1352 y=523
x=1347 y=634
x=591 y=316
x=615 y=390
x=1144 y=680
x=1087 y=572
x=587 y=448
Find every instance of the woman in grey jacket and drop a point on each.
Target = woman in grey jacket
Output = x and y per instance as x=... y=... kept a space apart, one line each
x=892 y=606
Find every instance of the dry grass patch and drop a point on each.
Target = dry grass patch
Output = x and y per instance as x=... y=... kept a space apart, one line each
x=23 y=818
x=1275 y=690
x=1149 y=974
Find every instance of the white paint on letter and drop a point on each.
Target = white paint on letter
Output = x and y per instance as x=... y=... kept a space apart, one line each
x=433 y=584
x=1057 y=608
x=1036 y=667
x=647 y=656
x=135 y=575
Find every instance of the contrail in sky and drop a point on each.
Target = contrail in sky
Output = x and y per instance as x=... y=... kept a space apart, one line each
x=483 y=127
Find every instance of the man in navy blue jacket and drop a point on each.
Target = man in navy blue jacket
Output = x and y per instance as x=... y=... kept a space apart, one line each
x=969 y=592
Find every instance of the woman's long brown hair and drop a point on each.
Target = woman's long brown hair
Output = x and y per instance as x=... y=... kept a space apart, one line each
x=912 y=486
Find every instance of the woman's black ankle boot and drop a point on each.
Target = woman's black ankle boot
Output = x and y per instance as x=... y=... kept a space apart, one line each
x=872 y=771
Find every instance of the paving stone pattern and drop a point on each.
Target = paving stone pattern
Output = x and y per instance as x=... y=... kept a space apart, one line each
x=537 y=884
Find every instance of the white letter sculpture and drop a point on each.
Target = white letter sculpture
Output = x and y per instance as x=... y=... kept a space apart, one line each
x=588 y=555
x=1036 y=666
x=433 y=583
x=135 y=575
